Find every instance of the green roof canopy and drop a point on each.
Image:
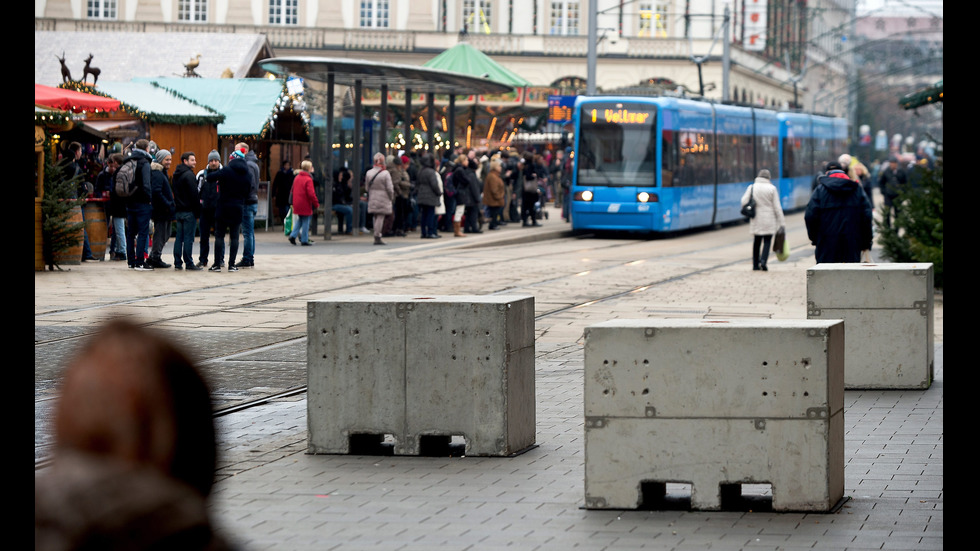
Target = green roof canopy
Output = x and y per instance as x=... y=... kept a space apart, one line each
x=463 y=58
x=157 y=105
x=247 y=103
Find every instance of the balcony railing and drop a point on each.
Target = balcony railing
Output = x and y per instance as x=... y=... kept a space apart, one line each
x=319 y=38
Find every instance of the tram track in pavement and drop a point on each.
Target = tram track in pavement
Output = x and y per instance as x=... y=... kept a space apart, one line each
x=297 y=390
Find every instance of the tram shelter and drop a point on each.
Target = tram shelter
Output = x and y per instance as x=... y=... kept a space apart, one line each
x=386 y=77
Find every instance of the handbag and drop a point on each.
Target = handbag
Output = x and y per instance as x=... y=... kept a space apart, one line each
x=781 y=245
x=287 y=224
x=748 y=210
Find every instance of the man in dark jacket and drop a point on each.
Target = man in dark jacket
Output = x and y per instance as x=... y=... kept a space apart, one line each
x=251 y=208
x=139 y=207
x=891 y=181
x=282 y=184
x=233 y=188
x=838 y=217
x=188 y=207
x=163 y=207
x=208 y=193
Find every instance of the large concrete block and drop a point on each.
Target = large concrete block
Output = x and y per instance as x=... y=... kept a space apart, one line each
x=711 y=403
x=888 y=316
x=413 y=366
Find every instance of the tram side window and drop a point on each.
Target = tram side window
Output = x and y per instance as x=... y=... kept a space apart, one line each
x=735 y=158
x=668 y=159
x=696 y=159
x=767 y=153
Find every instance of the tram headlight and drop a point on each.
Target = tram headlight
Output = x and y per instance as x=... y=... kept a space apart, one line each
x=644 y=197
x=583 y=195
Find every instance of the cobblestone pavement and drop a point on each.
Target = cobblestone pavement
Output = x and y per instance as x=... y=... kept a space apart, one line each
x=247 y=329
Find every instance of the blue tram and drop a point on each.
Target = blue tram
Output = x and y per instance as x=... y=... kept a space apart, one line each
x=667 y=164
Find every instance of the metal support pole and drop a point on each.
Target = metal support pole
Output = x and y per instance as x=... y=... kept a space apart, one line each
x=593 y=45
x=726 y=61
x=430 y=100
x=408 y=118
x=328 y=163
x=383 y=131
x=452 y=124
x=358 y=157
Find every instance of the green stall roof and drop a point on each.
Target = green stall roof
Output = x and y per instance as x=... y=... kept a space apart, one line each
x=248 y=104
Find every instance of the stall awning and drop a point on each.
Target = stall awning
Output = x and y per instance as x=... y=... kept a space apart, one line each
x=70 y=100
x=463 y=58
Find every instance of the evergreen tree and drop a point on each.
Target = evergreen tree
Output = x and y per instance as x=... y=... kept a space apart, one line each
x=916 y=235
x=57 y=208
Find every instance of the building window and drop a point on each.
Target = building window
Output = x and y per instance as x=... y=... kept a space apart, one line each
x=374 y=14
x=283 y=12
x=476 y=16
x=564 y=17
x=653 y=20
x=192 y=11
x=101 y=9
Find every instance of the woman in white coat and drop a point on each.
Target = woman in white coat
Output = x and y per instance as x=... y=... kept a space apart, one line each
x=768 y=217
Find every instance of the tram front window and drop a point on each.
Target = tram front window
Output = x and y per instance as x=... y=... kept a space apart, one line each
x=617 y=144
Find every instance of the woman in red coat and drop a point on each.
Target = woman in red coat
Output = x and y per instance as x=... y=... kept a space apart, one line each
x=304 y=203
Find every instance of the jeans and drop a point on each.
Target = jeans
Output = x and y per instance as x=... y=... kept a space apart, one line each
x=119 y=234
x=138 y=215
x=348 y=215
x=248 y=232
x=229 y=218
x=759 y=261
x=428 y=220
x=184 y=244
x=302 y=229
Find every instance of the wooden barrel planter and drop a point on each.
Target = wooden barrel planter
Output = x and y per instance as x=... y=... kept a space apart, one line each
x=97 y=228
x=72 y=255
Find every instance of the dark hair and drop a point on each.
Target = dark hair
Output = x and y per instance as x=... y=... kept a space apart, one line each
x=131 y=395
x=186 y=155
x=833 y=165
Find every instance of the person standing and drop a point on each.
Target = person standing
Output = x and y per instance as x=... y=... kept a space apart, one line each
x=891 y=181
x=282 y=185
x=187 y=205
x=163 y=206
x=233 y=187
x=381 y=193
x=251 y=207
x=494 y=194
x=208 y=193
x=429 y=193
x=838 y=217
x=116 y=210
x=139 y=207
x=768 y=217
x=304 y=203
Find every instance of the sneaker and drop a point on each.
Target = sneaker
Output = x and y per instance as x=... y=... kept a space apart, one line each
x=307 y=244
x=143 y=268
x=215 y=268
x=232 y=268
x=292 y=240
x=202 y=264
x=193 y=268
x=178 y=268
x=365 y=230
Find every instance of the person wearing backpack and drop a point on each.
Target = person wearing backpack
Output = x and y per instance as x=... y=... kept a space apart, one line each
x=133 y=184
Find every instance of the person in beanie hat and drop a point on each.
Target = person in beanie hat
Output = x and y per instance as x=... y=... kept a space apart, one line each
x=163 y=206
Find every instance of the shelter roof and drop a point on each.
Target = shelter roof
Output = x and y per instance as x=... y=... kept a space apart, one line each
x=466 y=59
x=247 y=103
x=125 y=55
x=374 y=74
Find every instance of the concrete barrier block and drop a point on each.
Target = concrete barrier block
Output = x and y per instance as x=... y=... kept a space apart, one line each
x=462 y=365
x=711 y=403
x=888 y=316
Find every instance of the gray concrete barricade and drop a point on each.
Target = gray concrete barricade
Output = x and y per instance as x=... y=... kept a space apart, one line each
x=888 y=318
x=712 y=404
x=410 y=366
